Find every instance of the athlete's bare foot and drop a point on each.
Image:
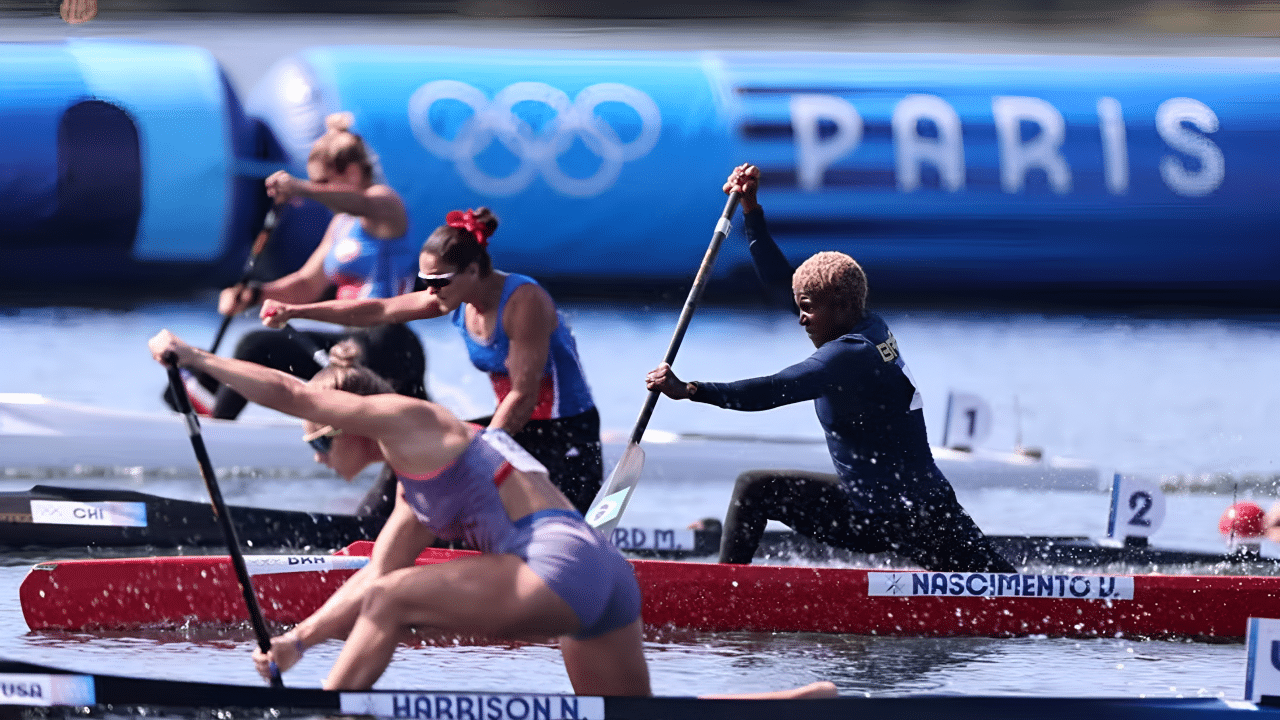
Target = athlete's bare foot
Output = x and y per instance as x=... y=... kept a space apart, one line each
x=820 y=689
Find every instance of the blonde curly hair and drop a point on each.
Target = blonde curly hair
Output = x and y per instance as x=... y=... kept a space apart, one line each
x=835 y=276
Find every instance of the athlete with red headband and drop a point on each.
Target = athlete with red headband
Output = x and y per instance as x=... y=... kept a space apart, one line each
x=513 y=332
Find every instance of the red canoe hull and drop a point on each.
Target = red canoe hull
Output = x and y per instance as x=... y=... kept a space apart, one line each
x=184 y=591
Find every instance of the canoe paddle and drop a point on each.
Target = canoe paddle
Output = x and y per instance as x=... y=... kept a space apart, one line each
x=268 y=229
x=318 y=354
x=220 y=510
x=606 y=509
x=198 y=385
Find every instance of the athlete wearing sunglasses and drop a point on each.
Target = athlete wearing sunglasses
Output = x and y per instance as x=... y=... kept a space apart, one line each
x=434 y=281
x=512 y=331
x=322 y=440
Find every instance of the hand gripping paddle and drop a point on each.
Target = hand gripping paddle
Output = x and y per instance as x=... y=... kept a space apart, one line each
x=220 y=510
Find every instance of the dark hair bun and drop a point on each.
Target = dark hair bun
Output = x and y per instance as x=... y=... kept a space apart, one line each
x=485 y=216
x=346 y=354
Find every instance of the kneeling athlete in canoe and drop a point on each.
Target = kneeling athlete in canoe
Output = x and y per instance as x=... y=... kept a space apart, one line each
x=543 y=571
x=887 y=493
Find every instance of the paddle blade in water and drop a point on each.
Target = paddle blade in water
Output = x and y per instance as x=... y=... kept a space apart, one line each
x=612 y=499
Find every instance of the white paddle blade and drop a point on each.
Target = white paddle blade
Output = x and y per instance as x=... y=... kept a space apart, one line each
x=616 y=493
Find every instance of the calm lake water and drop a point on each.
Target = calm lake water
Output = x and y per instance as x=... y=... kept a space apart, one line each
x=1156 y=394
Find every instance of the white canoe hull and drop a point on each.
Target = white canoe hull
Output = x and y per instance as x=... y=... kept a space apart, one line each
x=37 y=432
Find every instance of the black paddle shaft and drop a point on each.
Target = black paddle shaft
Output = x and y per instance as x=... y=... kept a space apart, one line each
x=690 y=303
x=268 y=229
x=220 y=510
x=317 y=353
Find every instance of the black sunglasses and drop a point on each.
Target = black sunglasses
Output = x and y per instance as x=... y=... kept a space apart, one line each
x=324 y=443
x=433 y=281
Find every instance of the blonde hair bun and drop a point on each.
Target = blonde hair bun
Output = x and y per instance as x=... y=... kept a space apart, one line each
x=339 y=121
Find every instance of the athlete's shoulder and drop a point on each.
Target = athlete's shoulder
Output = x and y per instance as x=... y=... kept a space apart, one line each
x=515 y=280
x=868 y=341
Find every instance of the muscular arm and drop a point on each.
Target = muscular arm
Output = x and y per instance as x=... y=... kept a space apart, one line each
x=389 y=418
x=806 y=380
x=307 y=282
x=529 y=320
x=379 y=207
x=369 y=311
x=300 y=286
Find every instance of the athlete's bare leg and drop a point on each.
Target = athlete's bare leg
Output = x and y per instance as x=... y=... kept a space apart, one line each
x=611 y=664
x=494 y=596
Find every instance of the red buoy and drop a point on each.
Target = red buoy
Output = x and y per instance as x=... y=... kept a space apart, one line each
x=1242 y=520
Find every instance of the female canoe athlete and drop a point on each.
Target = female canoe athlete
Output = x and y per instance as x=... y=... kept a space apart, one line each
x=886 y=493
x=542 y=571
x=367 y=251
x=513 y=332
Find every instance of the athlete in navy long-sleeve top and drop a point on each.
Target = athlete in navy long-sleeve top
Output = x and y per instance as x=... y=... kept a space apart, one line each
x=887 y=493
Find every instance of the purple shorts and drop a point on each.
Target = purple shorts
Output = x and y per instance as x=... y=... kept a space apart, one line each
x=583 y=568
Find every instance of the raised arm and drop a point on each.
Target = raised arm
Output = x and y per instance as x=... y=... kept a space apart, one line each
x=357 y=313
x=389 y=418
x=379 y=206
x=529 y=319
x=772 y=267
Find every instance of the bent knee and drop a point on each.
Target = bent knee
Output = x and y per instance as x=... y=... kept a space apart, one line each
x=383 y=600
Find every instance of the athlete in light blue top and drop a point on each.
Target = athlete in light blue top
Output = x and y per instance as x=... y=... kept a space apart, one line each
x=366 y=251
x=513 y=332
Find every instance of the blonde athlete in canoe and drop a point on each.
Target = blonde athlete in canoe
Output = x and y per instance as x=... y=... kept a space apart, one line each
x=367 y=250
x=542 y=571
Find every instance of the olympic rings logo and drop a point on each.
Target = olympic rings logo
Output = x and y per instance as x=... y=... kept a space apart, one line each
x=537 y=150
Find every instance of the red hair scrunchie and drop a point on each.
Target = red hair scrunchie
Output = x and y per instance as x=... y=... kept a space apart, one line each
x=467 y=221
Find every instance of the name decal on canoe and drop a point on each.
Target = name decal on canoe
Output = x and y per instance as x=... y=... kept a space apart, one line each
x=106 y=513
x=473 y=706
x=278 y=564
x=46 y=690
x=1073 y=587
x=652 y=539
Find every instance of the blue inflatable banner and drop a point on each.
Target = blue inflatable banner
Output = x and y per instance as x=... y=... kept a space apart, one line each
x=941 y=173
x=124 y=163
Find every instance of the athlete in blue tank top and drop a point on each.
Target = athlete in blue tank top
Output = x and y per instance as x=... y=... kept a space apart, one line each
x=887 y=493
x=563 y=390
x=513 y=332
x=367 y=251
x=360 y=265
